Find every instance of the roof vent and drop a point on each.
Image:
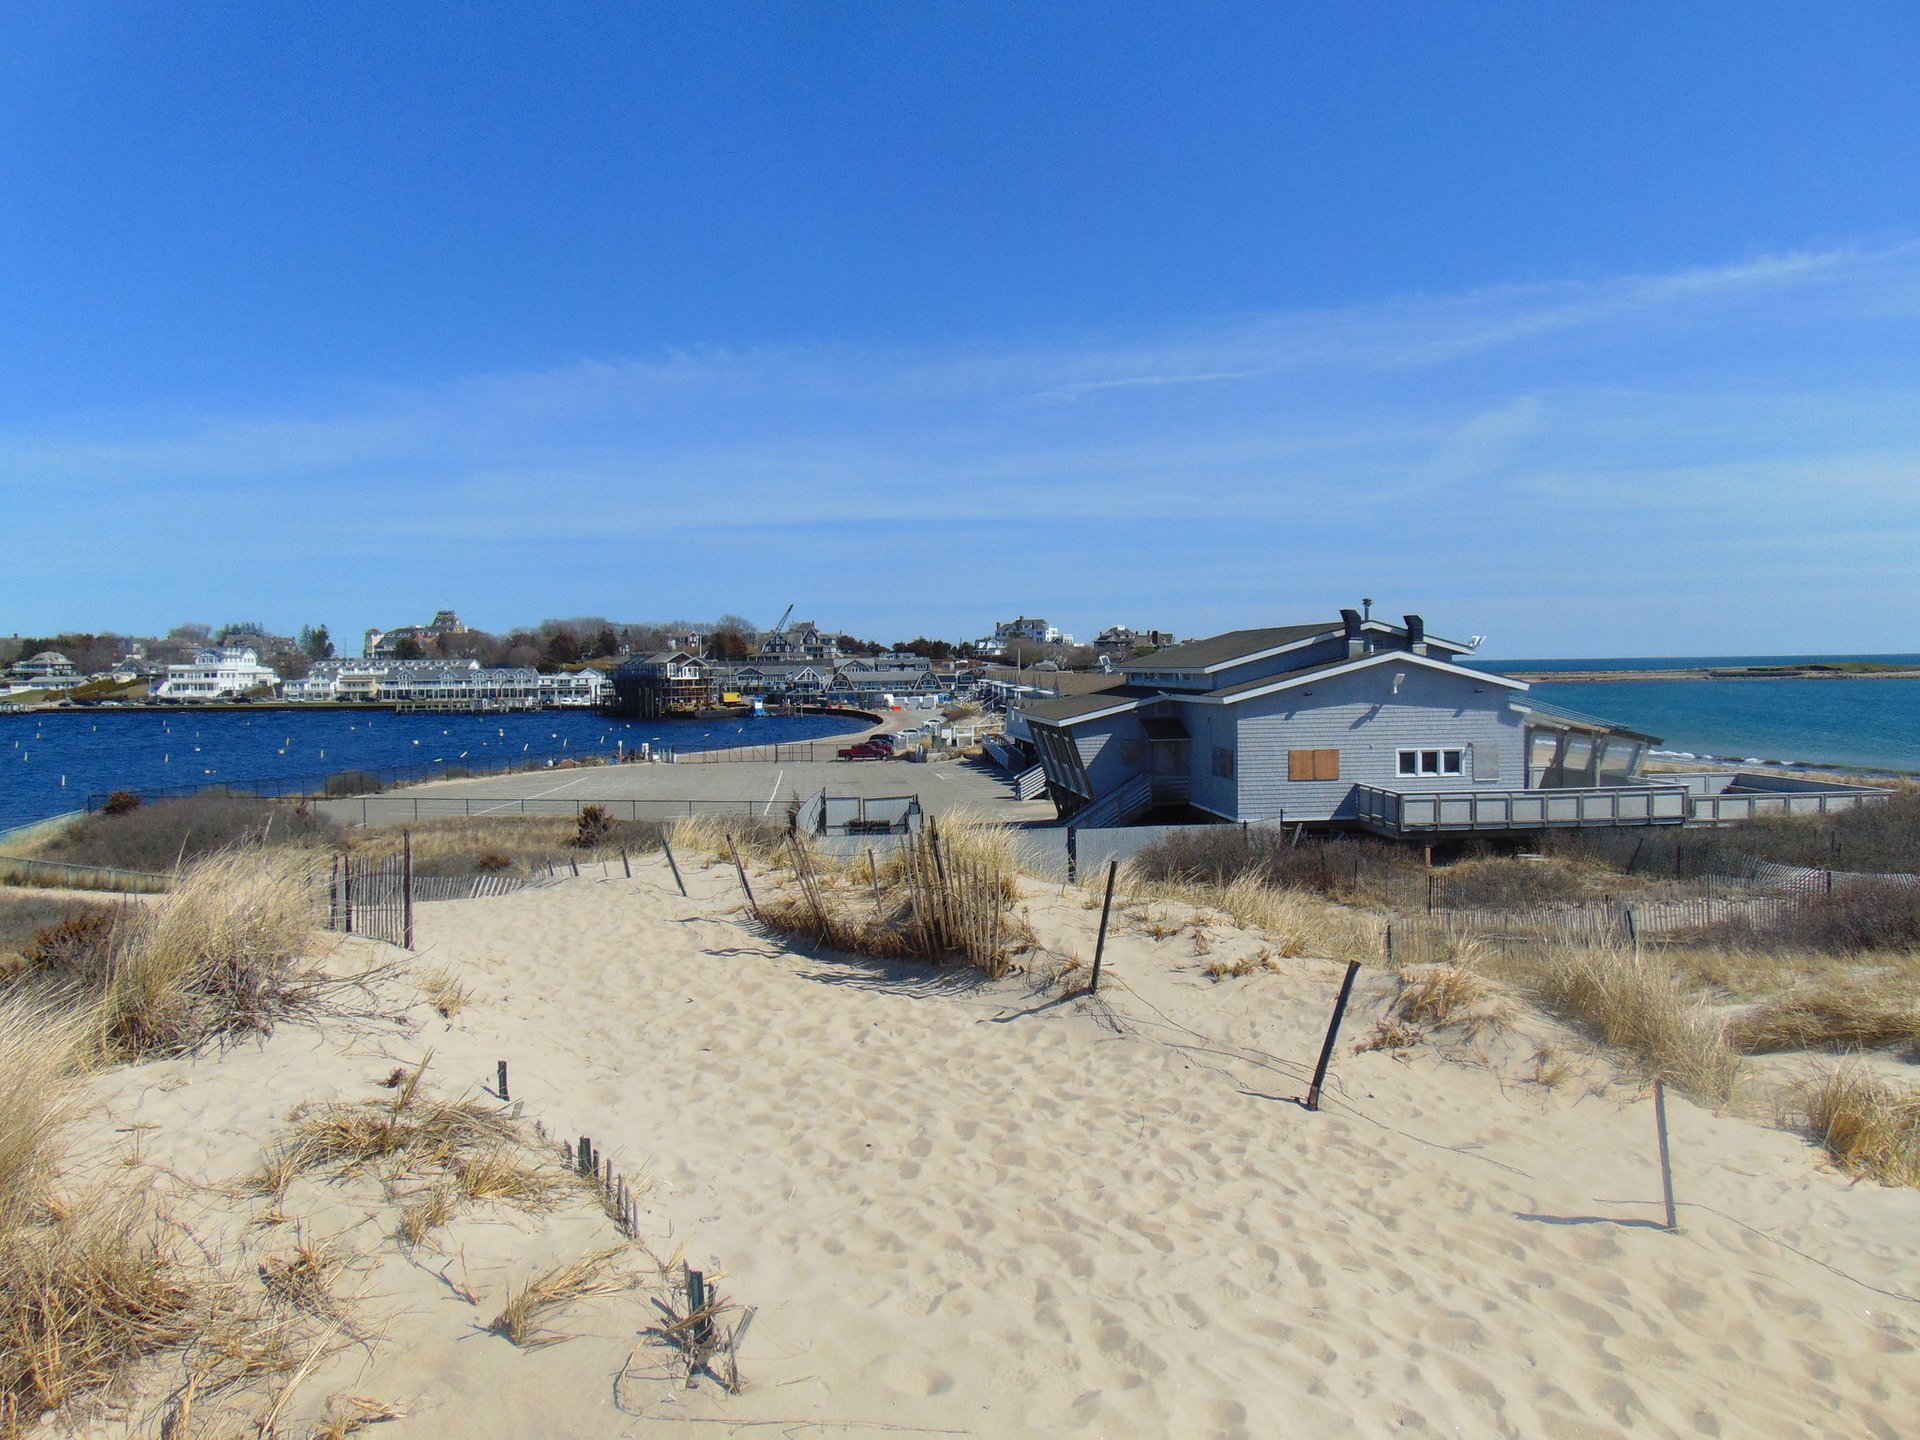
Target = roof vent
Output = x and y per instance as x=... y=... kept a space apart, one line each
x=1416 y=635
x=1356 y=642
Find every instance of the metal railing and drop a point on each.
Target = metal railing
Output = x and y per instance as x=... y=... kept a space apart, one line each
x=1116 y=808
x=403 y=808
x=59 y=875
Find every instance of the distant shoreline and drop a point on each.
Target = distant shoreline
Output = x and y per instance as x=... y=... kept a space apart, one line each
x=1846 y=670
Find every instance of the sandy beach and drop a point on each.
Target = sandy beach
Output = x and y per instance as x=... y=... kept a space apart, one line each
x=962 y=1207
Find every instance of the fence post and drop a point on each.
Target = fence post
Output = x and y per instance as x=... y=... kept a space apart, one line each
x=1666 y=1158
x=1333 y=1034
x=674 y=865
x=625 y=864
x=346 y=888
x=741 y=870
x=501 y=1087
x=1100 y=945
x=406 y=880
x=1073 y=854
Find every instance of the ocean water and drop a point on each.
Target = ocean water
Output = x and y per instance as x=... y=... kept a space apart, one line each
x=1863 y=724
x=50 y=761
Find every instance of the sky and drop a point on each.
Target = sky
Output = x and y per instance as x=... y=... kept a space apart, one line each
x=1593 y=329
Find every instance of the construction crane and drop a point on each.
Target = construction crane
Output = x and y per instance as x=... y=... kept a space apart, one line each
x=779 y=629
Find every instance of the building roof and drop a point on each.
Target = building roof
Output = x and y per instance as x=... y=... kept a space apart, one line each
x=1235 y=645
x=1072 y=709
x=1247 y=689
x=1579 y=721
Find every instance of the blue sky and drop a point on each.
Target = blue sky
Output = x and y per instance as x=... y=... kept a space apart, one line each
x=1594 y=329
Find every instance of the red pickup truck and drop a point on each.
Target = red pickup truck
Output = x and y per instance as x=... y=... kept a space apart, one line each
x=867 y=750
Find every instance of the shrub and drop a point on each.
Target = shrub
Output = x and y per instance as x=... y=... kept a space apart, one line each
x=353 y=782
x=158 y=836
x=1883 y=837
x=1220 y=854
x=594 y=828
x=493 y=860
x=1861 y=915
x=120 y=802
x=78 y=941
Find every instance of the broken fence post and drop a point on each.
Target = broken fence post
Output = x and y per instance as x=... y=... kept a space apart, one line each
x=1333 y=1034
x=1100 y=945
x=674 y=865
x=500 y=1072
x=584 y=1164
x=734 y=851
x=626 y=864
x=1666 y=1158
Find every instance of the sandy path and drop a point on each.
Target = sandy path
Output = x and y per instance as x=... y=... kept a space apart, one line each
x=962 y=1207
x=975 y=1209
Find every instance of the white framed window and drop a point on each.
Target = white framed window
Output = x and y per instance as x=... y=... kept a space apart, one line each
x=1441 y=760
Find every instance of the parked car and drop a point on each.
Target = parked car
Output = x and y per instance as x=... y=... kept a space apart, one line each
x=867 y=750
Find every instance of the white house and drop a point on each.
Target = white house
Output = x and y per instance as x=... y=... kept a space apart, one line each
x=216 y=674
x=1028 y=628
x=574 y=687
x=49 y=670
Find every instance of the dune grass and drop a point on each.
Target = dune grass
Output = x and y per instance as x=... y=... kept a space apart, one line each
x=88 y=1282
x=523 y=1320
x=1870 y=1127
x=1866 y=1009
x=435 y=1156
x=1295 y=922
x=219 y=955
x=1634 y=1002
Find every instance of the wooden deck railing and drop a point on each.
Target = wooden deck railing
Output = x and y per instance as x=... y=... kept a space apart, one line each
x=1412 y=812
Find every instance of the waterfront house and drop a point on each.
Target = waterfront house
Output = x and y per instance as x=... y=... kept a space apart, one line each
x=1356 y=723
x=48 y=670
x=570 y=688
x=217 y=675
x=663 y=683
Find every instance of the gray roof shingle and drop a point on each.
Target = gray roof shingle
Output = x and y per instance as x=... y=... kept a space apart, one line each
x=1219 y=649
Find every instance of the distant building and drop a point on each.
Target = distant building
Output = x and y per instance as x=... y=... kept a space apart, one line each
x=217 y=675
x=1119 y=642
x=380 y=644
x=666 y=682
x=49 y=670
x=1033 y=630
x=458 y=684
x=801 y=641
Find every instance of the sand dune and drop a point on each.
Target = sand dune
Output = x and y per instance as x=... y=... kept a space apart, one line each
x=971 y=1208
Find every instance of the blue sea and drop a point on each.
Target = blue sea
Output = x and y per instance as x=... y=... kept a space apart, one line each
x=50 y=761
x=1854 y=724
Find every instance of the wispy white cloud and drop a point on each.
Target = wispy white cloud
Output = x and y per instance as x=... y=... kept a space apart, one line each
x=1236 y=468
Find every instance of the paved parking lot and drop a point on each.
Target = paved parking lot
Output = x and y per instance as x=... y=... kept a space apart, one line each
x=661 y=791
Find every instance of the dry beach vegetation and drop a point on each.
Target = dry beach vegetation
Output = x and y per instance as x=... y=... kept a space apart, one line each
x=242 y=1193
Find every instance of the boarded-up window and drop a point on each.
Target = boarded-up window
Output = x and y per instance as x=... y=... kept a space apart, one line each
x=1313 y=765
x=1486 y=760
x=1223 y=762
